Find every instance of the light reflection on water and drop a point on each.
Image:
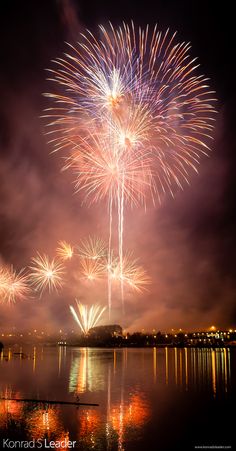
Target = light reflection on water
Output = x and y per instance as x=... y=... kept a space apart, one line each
x=133 y=388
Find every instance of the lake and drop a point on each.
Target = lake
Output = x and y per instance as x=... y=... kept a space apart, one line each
x=149 y=399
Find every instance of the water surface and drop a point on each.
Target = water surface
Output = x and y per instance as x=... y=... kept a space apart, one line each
x=149 y=399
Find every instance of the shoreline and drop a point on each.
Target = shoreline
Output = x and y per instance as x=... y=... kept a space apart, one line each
x=104 y=346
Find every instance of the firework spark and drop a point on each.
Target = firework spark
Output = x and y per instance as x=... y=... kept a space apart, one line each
x=13 y=286
x=46 y=274
x=88 y=316
x=64 y=251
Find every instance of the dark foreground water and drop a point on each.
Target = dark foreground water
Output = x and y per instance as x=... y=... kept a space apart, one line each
x=149 y=399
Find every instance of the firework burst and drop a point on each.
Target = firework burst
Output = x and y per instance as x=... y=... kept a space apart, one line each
x=64 y=251
x=13 y=286
x=92 y=248
x=145 y=88
x=87 y=317
x=91 y=269
x=132 y=274
x=46 y=273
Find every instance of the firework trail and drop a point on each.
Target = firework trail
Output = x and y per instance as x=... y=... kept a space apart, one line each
x=13 y=286
x=134 y=119
x=88 y=316
x=64 y=251
x=46 y=274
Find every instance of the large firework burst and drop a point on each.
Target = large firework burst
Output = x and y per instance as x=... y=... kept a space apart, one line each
x=144 y=87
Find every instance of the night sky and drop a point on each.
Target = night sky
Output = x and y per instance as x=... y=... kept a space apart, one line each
x=187 y=244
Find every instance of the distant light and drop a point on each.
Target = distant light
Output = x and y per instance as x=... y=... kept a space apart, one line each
x=212 y=327
x=230 y=331
x=185 y=335
x=166 y=336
